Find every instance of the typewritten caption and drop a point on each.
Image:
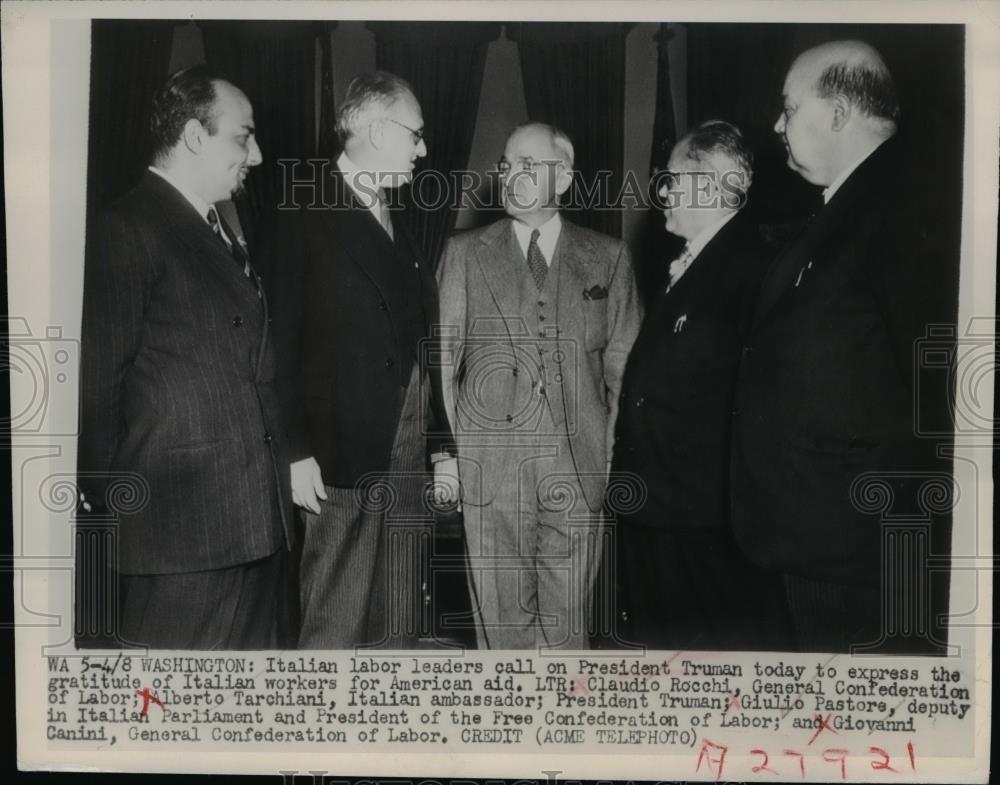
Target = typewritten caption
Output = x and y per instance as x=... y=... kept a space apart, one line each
x=740 y=716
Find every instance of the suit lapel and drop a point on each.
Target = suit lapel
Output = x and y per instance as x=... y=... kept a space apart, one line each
x=818 y=238
x=573 y=255
x=195 y=233
x=500 y=258
x=357 y=231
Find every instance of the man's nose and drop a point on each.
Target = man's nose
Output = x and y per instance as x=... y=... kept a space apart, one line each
x=255 y=157
x=421 y=148
x=779 y=125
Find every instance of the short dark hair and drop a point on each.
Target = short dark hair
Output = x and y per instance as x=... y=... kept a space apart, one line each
x=188 y=93
x=717 y=137
x=868 y=86
x=365 y=91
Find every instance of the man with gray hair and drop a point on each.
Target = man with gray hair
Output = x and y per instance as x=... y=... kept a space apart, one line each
x=683 y=582
x=825 y=394
x=538 y=317
x=358 y=303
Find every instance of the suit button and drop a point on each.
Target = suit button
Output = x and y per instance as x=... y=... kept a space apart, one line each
x=267 y=438
x=735 y=412
x=389 y=362
x=559 y=378
x=541 y=317
x=510 y=418
x=747 y=349
x=541 y=303
x=640 y=401
x=237 y=321
x=270 y=320
x=381 y=305
x=513 y=371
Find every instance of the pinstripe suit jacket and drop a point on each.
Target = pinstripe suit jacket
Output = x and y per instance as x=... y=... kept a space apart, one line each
x=177 y=387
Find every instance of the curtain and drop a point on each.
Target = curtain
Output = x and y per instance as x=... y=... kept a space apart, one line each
x=574 y=78
x=128 y=63
x=274 y=63
x=444 y=62
x=736 y=73
x=654 y=246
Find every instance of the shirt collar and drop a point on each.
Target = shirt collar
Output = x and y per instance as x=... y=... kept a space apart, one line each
x=196 y=201
x=363 y=183
x=833 y=187
x=548 y=236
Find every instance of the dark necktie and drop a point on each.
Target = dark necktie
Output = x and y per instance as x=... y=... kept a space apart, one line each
x=234 y=248
x=536 y=261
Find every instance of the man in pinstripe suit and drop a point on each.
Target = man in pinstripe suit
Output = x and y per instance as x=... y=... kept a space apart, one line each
x=177 y=395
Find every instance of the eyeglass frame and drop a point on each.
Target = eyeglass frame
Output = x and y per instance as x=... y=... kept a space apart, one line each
x=418 y=136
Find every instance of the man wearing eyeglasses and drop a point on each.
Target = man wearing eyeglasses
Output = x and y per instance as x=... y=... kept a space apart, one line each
x=538 y=316
x=358 y=299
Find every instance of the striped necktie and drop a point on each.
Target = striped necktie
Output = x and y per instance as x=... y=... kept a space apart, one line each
x=235 y=250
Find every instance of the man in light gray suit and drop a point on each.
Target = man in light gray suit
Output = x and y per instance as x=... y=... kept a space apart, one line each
x=537 y=319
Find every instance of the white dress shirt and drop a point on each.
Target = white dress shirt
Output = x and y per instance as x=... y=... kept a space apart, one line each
x=548 y=236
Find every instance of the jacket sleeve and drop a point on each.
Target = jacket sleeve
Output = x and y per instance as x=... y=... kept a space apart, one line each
x=118 y=279
x=453 y=303
x=624 y=320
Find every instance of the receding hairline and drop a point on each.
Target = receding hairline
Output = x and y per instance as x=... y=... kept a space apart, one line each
x=559 y=140
x=816 y=60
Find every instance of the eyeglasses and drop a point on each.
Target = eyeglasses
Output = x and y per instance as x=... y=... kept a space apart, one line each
x=526 y=164
x=418 y=135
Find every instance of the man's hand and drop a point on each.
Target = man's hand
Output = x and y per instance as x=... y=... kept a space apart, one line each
x=446 y=486
x=307 y=485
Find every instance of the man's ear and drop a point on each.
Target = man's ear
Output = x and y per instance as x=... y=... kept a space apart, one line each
x=564 y=178
x=841 y=112
x=376 y=134
x=194 y=134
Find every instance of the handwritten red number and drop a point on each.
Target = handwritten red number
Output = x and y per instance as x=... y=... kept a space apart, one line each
x=802 y=761
x=763 y=766
x=880 y=765
x=837 y=756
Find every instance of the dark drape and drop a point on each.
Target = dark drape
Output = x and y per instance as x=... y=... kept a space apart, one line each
x=274 y=63
x=128 y=63
x=574 y=78
x=444 y=63
x=654 y=246
x=736 y=73
x=328 y=145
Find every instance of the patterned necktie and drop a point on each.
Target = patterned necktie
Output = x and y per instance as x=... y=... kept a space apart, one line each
x=679 y=265
x=536 y=261
x=235 y=250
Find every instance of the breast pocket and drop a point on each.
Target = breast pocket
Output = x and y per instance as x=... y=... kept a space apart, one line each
x=595 y=324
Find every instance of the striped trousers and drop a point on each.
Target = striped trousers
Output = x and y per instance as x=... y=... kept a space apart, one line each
x=362 y=556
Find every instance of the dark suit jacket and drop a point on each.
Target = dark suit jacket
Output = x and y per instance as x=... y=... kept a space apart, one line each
x=673 y=428
x=825 y=388
x=340 y=293
x=177 y=387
